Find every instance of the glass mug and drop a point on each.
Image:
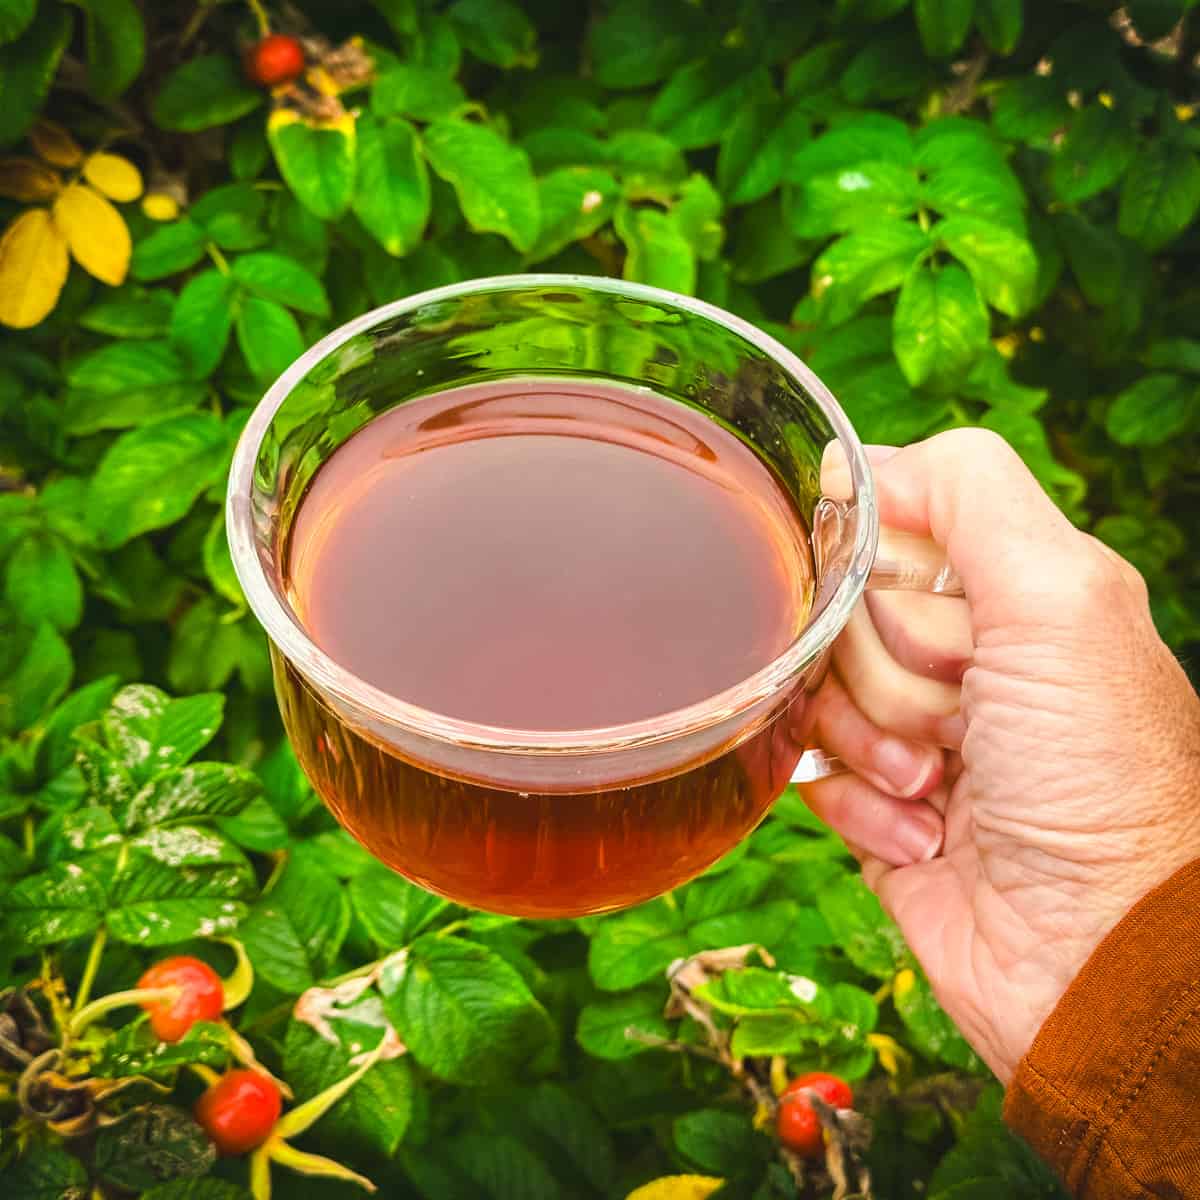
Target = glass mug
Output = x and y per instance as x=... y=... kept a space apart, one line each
x=537 y=823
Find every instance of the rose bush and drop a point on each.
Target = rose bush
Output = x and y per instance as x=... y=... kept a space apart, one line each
x=959 y=211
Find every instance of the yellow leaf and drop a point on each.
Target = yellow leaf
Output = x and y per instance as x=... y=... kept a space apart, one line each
x=95 y=231
x=55 y=144
x=158 y=206
x=677 y=1187
x=27 y=179
x=893 y=1057
x=33 y=269
x=113 y=175
x=905 y=981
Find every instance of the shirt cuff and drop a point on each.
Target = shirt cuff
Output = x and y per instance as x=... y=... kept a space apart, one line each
x=1109 y=1092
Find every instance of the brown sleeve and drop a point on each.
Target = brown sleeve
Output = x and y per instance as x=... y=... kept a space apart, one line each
x=1109 y=1093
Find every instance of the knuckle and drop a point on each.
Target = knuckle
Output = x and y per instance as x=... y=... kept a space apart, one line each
x=977 y=444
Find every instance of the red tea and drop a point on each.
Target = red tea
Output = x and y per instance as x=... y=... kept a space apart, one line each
x=542 y=554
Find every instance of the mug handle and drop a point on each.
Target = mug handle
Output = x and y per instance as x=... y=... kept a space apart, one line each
x=904 y=562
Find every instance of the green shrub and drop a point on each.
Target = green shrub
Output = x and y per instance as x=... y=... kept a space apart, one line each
x=958 y=211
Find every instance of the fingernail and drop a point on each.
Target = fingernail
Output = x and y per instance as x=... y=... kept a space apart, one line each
x=905 y=770
x=919 y=835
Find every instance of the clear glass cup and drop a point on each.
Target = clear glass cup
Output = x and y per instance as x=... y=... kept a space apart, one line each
x=525 y=821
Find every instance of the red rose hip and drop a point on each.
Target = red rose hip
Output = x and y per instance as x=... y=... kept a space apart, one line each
x=834 y=1091
x=201 y=996
x=277 y=59
x=239 y=1111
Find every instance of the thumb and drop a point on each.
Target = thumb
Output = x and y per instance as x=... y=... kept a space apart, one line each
x=1018 y=557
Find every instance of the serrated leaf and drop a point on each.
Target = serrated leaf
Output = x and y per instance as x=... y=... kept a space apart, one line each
x=1003 y=265
x=757 y=146
x=185 y=794
x=41 y=583
x=940 y=324
x=657 y=251
x=943 y=24
x=1096 y=152
x=154 y=904
x=269 y=337
x=496 y=31
x=1152 y=410
x=152 y=1144
x=1030 y=109
x=574 y=202
x=203 y=92
x=231 y=215
x=931 y=1030
x=376 y=1112
x=392 y=910
x=1000 y=22
x=890 y=67
x=863 y=930
x=567 y=1122
x=151 y=476
x=853 y=197
x=604 y=1024
x=45 y=1173
x=127 y=383
x=33 y=269
x=169 y=249
x=697 y=104
x=874 y=259
x=465 y=1014
x=492 y=179
x=64 y=902
x=1161 y=194
x=38 y=681
x=135 y=1050
x=96 y=233
x=202 y=320
x=317 y=162
x=634 y=946
x=423 y=93
x=721 y=1142
x=27 y=68
x=634 y=44
x=116 y=46
x=392 y=193
x=133 y=312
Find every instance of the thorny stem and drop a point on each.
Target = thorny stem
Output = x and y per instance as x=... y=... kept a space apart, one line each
x=91 y=966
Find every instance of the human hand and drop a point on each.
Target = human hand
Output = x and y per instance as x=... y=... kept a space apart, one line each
x=1072 y=781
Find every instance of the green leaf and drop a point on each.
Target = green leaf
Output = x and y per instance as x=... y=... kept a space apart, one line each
x=698 y=102
x=1031 y=109
x=1152 y=410
x=889 y=67
x=269 y=337
x=574 y=202
x=44 y=1173
x=466 y=1015
x=280 y=278
x=37 y=682
x=931 y=1031
x=863 y=930
x=67 y=901
x=128 y=383
x=151 y=476
x=392 y=910
x=657 y=251
x=196 y=1189
x=153 y=903
x=873 y=260
x=203 y=92
x=206 y=789
x=640 y=155
x=257 y=827
x=27 y=68
x=604 y=1024
x=131 y=312
x=1096 y=152
x=231 y=215
x=1002 y=264
x=496 y=31
x=317 y=162
x=721 y=1143
x=169 y=249
x=151 y=733
x=202 y=321
x=15 y=16
x=943 y=24
x=150 y=1145
x=499 y=1167
x=392 y=197
x=116 y=45
x=41 y=583
x=940 y=324
x=1161 y=194
x=493 y=179
x=249 y=150
x=376 y=1112
x=632 y=947
x=852 y=198
x=218 y=562
x=635 y=44
x=422 y=93
x=294 y=933
x=1000 y=22
x=757 y=146
x=135 y=1050
x=574 y=1129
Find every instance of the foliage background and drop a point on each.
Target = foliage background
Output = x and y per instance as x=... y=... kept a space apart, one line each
x=959 y=211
